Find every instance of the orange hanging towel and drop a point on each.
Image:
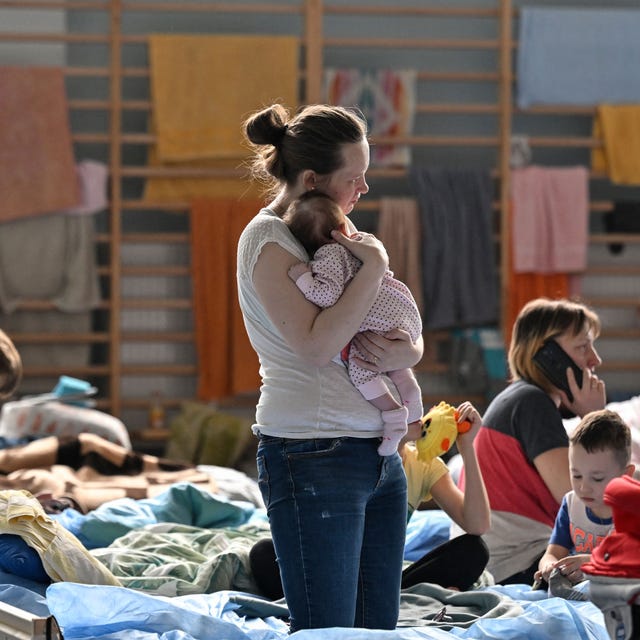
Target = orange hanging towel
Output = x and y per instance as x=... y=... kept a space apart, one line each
x=227 y=363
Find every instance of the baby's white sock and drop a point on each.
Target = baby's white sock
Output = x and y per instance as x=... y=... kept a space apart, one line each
x=395 y=427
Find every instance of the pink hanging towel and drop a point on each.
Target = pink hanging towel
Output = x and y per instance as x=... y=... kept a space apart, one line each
x=37 y=168
x=550 y=219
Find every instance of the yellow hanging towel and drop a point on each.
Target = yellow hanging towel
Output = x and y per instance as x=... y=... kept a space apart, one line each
x=203 y=87
x=618 y=126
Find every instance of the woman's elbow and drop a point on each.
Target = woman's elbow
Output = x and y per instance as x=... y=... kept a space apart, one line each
x=479 y=526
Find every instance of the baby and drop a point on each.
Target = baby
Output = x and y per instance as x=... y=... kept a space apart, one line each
x=311 y=218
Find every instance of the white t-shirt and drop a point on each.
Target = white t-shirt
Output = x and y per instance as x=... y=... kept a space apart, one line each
x=297 y=400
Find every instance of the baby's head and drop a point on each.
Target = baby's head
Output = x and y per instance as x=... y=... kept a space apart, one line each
x=599 y=450
x=312 y=217
x=10 y=366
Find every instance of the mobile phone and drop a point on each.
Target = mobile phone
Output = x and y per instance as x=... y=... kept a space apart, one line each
x=554 y=361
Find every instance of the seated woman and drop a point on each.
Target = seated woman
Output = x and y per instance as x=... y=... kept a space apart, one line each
x=523 y=446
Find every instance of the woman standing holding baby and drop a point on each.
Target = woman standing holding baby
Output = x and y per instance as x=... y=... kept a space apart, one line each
x=337 y=509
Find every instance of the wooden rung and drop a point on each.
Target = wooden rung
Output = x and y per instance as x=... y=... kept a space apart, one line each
x=58 y=338
x=619 y=365
x=622 y=333
x=164 y=336
x=412 y=43
x=459 y=76
x=564 y=141
x=39 y=36
x=159 y=369
x=180 y=172
x=557 y=110
x=614 y=270
x=156 y=270
x=93 y=5
x=464 y=109
x=153 y=238
x=91 y=138
x=45 y=305
x=451 y=12
x=71 y=370
x=218 y=7
x=615 y=238
x=613 y=301
x=143 y=38
x=89 y=105
x=440 y=141
x=144 y=205
x=156 y=303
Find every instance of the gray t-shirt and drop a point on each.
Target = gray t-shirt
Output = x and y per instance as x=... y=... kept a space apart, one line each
x=297 y=400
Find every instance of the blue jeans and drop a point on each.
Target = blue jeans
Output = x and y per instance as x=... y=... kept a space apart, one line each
x=337 y=512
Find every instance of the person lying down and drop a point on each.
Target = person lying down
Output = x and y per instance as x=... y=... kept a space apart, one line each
x=86 y=470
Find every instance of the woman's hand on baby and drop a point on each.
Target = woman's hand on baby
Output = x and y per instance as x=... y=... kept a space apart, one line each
x=366 y=247
x=298 y=269
x=388 y=352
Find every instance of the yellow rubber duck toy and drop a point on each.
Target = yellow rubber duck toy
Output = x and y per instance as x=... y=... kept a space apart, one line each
x=440 y=428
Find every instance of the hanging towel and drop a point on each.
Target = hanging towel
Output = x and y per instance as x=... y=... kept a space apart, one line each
x=578 y=56
x=550 y=219
x=387 y=99
x=63 y=556
x=49 y=258
x=185 y=189
x=227 y=363
x=523 y=287
x=399 y=231
x=92 y=180
x=459 y=274
x=37 y=171
x=618 y=126
x=203 y=87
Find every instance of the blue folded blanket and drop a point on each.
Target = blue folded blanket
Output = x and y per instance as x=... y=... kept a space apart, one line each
x=578 y=56
x=19 y=559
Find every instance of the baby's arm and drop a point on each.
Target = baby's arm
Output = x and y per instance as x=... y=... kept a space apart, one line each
x=298 y=270
x=324 y=279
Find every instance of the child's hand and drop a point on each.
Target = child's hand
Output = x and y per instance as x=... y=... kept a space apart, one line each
x=570 y=566
x=298 y=269
x=466 y=412
x=544 y=572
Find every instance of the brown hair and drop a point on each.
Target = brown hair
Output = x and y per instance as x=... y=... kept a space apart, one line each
x=604 y=430
x=285 y=146
x=10 y=366
x=538 y=321
x=311 y=218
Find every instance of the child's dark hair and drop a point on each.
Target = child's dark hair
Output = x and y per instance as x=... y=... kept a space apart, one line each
x=604 y=430
x=311 y=218
x=10 y=366
x=312 y=139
